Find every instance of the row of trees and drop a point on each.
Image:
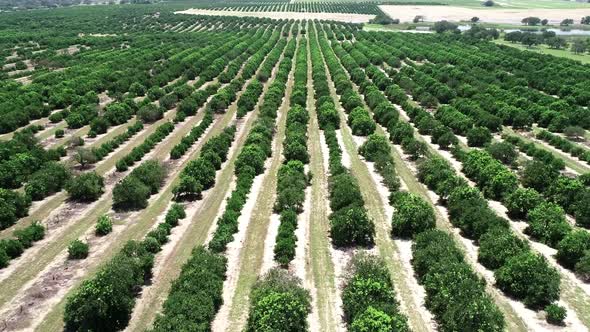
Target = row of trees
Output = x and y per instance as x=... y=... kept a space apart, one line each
x=200 y=173
x=179 y=309
x=11 y=248
x=546 y=221
x=105 y=301
x=477 y=221
x=138 y=152
x=133 y=191
x=564 y=145
x=291 y=178
x=350 y=224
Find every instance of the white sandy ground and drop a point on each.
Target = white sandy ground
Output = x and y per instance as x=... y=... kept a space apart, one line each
x=455 y=14
x=535 y=321
x=302 y=243
x=268 y=257
x=345 y=157
x=61 y=266
x=339 y=257
x=302 y=259
x=342 y=17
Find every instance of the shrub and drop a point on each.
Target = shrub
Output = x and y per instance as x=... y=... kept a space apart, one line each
x=59 y=133
x=556 y=314
x=572 y=248
x=105 y=302
x=521 y=201
x=503 y=151
x=547 y=223
x=376 y=145
x=77 y=250
x=86 y=187
x=104 y=225
x=150 y=113
x=278 y=303
x=130 y=194
x=351 y=226
x=528 y=277
x=497 y=246
x=30 y=234
x=479 y=136
x=368 y=286
x=412 y=215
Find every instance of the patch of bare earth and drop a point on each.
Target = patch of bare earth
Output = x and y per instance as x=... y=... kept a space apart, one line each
x=342 y=17
x=455 y=13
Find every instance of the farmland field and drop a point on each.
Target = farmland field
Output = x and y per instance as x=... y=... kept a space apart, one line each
x=276 y=166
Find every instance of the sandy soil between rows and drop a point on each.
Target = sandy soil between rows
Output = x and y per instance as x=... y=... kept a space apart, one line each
x=351 y=18
x=453 y=13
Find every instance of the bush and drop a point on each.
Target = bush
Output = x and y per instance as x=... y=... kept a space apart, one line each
x=412 y=215
x=86 y=187
x=528 y=277
x=497 y=246
x=503 y=151
x=104 y=225
x=352 y=226
x=77 y=250
x=278 y=303
x=134 y=190
x=150 y=113
x=105 y=302
x=572 y=248
x=375 y=145
x=368 y=287
x=479 y=136
x=521 y=201
x=547 y=223
x=33 y=233
x=556 y=314
x=47 y=180
x=59 y=133
x=130 y=194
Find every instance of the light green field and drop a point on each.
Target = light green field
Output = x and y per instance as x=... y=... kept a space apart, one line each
x=564 y=53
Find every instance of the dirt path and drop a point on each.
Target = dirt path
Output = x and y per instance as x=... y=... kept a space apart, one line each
x=251 y=253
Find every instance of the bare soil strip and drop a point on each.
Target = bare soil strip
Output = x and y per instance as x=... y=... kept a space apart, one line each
x=455 y=13
x=342 y=17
